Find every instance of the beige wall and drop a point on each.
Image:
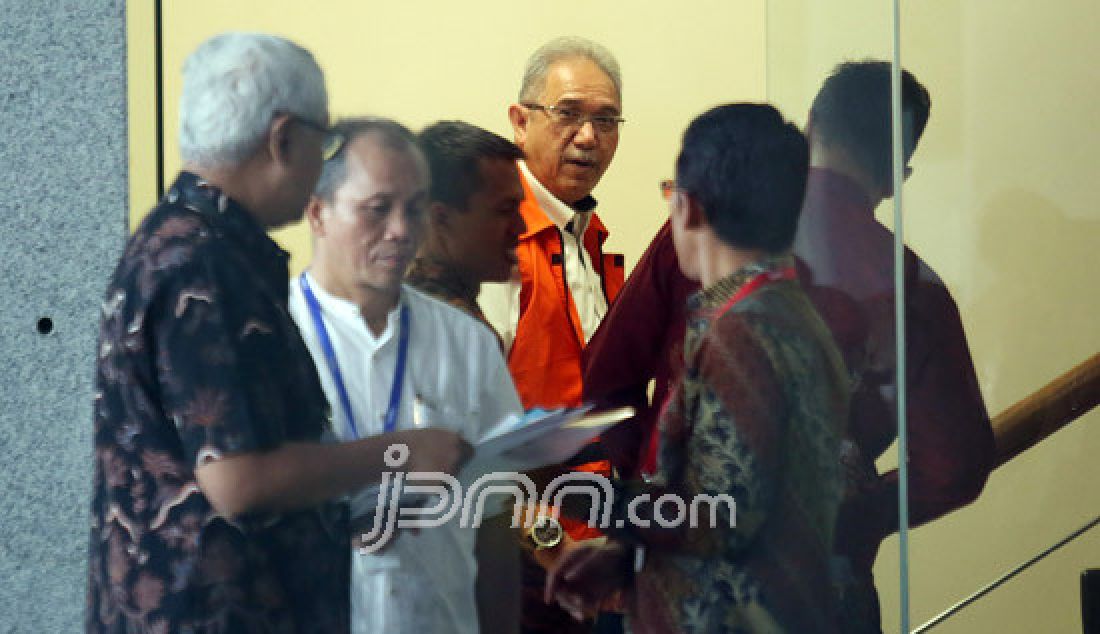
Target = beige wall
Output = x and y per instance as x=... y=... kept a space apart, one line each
x=141 y=108
x=1000 y=202
x=420 y=62
x=1003 y=204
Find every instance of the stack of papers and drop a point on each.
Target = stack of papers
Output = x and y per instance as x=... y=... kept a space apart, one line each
x=536 y=439
x=540 y=438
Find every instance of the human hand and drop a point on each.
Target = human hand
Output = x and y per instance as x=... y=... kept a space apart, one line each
x=585 y=576
x=433 y=450
x=548 y=557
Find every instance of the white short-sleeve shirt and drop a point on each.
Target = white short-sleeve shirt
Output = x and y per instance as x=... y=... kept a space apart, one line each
x=422 y=582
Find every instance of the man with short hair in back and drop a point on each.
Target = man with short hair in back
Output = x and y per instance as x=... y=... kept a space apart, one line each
x=848 y=270
x=393 y=358
x=474 y=222
x=846 y=264
x=474 y=226
x=213 y=500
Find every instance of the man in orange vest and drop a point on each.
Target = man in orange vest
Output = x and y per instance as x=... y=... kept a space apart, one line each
x=567 y=122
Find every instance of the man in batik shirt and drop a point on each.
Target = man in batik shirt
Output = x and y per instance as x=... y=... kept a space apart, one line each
x=474 y=222
x=474 y=226
x=758 y=414
x=846 y=266
x=211 y=506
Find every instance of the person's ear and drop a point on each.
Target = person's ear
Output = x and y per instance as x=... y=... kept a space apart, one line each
x=278 y=139
x=518 y=115
x=694 y=216
x=315 y=215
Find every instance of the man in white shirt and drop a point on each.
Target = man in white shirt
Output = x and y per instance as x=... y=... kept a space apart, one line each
x=391 y=357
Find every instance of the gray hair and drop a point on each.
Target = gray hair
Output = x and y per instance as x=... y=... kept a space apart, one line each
x=566 y=47
x=233 y=84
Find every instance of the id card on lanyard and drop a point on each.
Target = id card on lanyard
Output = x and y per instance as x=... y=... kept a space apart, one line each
x=390 y=422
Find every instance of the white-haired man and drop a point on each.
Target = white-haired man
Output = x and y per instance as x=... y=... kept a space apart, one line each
x=211 y=507
x=566 y=121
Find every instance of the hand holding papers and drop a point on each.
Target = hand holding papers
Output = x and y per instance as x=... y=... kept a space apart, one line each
x=521 y=443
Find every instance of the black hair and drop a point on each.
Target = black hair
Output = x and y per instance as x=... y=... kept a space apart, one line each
x=747 y=168
x=852 y=110
x=454 y=151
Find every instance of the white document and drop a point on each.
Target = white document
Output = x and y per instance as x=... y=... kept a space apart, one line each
x=536 y=439
x=539 y=438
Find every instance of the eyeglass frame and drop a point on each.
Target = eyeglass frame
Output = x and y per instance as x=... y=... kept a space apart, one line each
x=602 y=123
x=668 y=187
x=333 y=142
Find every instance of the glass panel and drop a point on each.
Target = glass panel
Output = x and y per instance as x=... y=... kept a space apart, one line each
x=1002 y=205
x=847 y=247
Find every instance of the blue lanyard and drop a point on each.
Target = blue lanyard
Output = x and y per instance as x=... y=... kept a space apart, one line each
x=390 y=423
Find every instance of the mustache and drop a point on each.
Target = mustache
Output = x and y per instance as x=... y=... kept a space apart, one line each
x=585 y=157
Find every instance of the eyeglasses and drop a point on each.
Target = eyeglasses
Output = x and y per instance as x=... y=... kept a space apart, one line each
x=667 y=187
x=333 y=141
x=573 y=119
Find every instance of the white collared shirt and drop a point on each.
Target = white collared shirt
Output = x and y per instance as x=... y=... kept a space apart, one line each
x=422 y=582
x=500 y=302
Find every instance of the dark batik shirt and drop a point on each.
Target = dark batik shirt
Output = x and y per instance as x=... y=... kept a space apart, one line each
x=846 y=266
x=758 y=415
x=443 y=282
x=198 y=359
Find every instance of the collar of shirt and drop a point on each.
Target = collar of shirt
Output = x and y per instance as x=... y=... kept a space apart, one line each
x=560 y=213
x=718 y=293
x=231 y=220
x=443 y=281
x=346 y=312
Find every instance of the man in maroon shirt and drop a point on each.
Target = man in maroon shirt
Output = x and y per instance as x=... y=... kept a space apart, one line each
x=628 y=351
x=846 y=265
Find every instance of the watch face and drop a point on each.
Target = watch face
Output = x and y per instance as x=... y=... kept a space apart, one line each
x=546 y=532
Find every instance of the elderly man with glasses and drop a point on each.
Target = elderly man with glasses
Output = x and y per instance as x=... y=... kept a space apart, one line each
x=213 y=498
x=566 y=121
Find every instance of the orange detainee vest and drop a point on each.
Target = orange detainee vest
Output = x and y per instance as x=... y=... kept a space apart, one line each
x=545 y=359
